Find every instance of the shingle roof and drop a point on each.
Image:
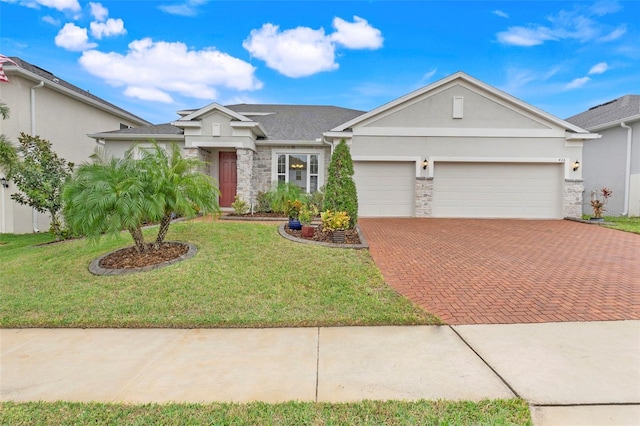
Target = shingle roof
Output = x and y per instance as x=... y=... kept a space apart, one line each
x=609 y=112
x=52 y=78
x=281 y=122
x=296 y=122
x=156 y=129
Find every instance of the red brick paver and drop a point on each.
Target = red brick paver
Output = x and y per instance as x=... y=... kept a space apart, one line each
x=481 y=271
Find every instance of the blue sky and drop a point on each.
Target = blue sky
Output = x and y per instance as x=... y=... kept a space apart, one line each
x=156 y=57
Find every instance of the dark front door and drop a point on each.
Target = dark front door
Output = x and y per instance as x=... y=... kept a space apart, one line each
x=228 y=178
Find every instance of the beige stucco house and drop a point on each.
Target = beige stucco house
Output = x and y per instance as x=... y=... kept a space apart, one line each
x=43 y=104
x=455 y=148
x=614 y=160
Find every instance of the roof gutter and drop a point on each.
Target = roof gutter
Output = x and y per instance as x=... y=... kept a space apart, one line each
x=627 y=175
x=34 y=212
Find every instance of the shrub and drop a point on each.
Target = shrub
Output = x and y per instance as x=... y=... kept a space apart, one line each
x=263 y=202
x=316 y=200
x=240 y=206
x=598 y=205
x=284 y=192
x=335 y=220
x=293 y=208
x=340 y=192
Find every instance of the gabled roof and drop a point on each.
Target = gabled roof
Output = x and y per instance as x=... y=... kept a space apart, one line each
x=280 y=122
x=609 y=114
x=36 y=73
x=461 y=76
x=295 y=122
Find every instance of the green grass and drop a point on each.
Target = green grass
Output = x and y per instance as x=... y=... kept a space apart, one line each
x=629 y=224
x=494 y=412
x=244 y=275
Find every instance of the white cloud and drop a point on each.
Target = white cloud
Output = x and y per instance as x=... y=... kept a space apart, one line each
x=615 y=34
x=188 y=8
x=521 y=36
x=152 y=70
x=61 y=5
x=72 y=37
x=299 y=52
x=99 y=12
x=51 y=20
x=303 y=51
x=148 y=94
x=500 y=13
x=577 y=83
x=112 y=27
x=357 y=34
x=578 y=24
x=599 y=68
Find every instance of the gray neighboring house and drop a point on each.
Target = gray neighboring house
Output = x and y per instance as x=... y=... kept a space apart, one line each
x=46 y=105
x=614 y=160
x=455 y=148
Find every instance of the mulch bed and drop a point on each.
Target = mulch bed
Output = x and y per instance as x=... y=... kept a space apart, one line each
x=128 y=258
x=324 y=236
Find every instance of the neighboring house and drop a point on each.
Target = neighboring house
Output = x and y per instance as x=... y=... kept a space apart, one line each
x=614 y=160
x=455 y=148
x=45 y=105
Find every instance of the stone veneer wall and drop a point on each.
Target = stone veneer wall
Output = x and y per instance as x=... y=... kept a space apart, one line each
x=244 y=158
x=424 y=196
x=572 y=200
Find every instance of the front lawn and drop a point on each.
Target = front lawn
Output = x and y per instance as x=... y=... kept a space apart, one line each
x=496 y=412
x=629 y=224
x=244 y=275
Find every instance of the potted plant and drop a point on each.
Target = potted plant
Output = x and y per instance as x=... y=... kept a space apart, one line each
x=306 y=215
x=292 y=210
x=598 y=205
x=336 y=222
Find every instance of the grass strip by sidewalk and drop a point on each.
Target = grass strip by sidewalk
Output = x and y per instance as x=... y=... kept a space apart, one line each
x=488 y=412
x=244 y=275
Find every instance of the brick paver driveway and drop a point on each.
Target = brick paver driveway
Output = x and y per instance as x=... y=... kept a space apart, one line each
x=470 y=271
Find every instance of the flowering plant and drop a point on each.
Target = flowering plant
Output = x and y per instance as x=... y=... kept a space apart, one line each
x=292 y=209
x=598 y=205
x=307 y=214
x=334 y=220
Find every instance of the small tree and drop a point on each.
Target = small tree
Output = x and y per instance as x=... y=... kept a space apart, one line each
x=340 y=192
x=114 y=194
x=39 y=175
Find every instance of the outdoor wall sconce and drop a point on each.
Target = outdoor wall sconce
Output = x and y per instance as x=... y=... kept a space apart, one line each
x=4 y=182
x=576 y=165
x=425 y=163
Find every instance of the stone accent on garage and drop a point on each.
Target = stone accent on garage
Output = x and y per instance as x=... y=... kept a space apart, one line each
x=244 y=158
x=572 y=200
x=424 y=196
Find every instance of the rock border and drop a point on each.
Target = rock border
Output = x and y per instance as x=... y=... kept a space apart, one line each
x=363 y=242
x=95 y=268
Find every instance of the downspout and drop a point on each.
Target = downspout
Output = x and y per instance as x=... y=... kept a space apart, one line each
x=34 y=212
x=3 y=229
x=627 y=176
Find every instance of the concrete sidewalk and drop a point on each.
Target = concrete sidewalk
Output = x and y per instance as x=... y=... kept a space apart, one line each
x=557 y=367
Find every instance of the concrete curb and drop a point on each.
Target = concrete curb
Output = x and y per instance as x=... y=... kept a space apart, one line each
x=363 y=243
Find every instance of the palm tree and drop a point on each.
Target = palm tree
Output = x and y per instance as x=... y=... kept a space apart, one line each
x=107 y=196
x=179 y=186
x=112 y=194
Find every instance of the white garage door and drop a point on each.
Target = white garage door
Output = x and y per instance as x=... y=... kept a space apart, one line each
x=498 y=190
x=384 y=188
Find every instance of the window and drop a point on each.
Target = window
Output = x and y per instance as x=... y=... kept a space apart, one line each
x=302 y=169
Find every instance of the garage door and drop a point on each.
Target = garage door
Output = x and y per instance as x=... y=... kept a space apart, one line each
x=497 y=190
x=385 y=189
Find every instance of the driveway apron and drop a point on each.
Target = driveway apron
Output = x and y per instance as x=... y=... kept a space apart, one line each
x=507 y=271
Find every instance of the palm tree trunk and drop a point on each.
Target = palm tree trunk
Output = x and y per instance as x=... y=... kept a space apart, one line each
x=164 y=228
x=138 y=239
